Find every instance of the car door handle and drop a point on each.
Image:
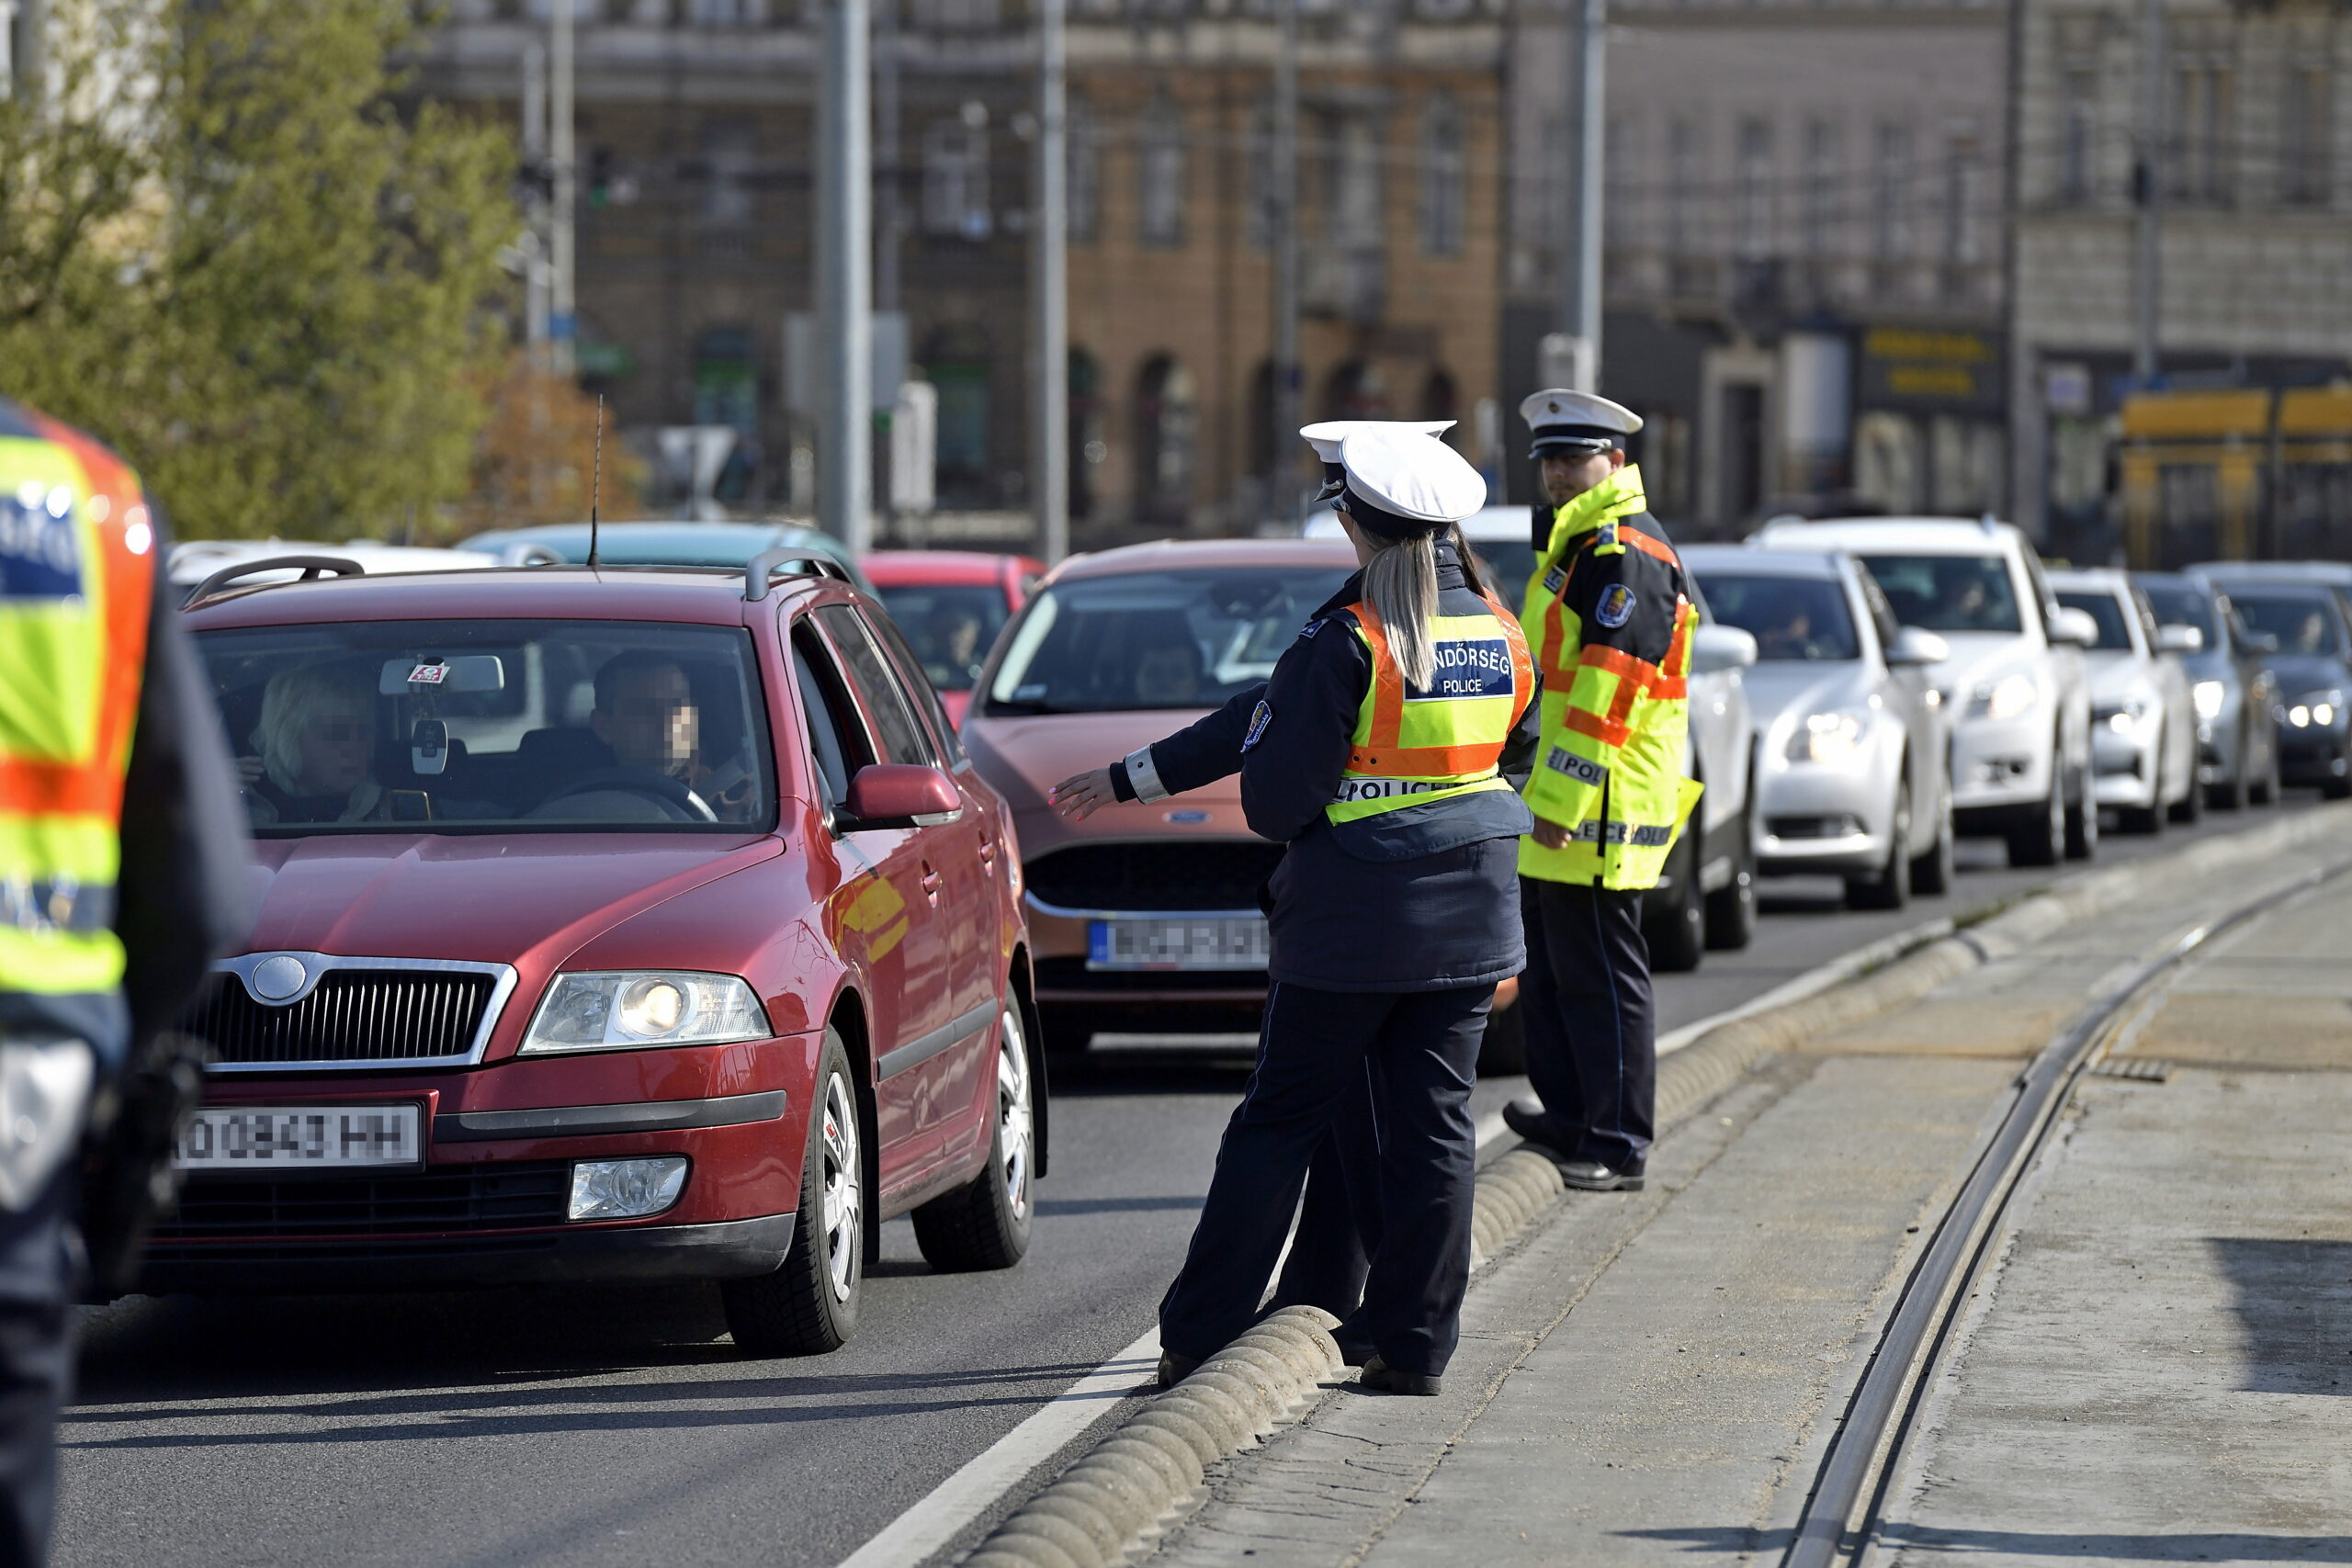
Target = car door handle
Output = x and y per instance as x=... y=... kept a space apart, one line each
x=931 y=881
x=988 y=852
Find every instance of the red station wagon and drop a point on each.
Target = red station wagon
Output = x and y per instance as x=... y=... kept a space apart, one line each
x=613 y=925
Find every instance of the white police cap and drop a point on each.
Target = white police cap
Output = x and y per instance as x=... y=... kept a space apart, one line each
x=1326 y=436
x=1399 y=484
x=1567 y=422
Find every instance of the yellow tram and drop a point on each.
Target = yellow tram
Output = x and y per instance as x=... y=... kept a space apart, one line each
x=2236 y=474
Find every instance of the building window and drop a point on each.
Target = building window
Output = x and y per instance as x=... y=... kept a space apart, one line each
x=1963 y=172
x=2304 y=115
x=1167 y=447
x=727 y=183
x=1082 y=140
x=1752 y=199
x=956 y=179
x=1820 y=187
x=1684 y=156
x=1159 y=172
x=1444 y=178
x=1891 y=193
x=2198 y=139
x=2077 y=135
x=1258 y=222
x=1355 y=218
x=1621 y=189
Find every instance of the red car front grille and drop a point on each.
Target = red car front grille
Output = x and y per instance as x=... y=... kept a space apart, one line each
x=351 y=1015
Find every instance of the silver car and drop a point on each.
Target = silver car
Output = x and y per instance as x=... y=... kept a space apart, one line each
x=1851 y=746
x=2143 y=721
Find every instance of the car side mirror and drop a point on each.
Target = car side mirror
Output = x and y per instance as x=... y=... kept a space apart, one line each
x=2074 y=628
x=1913 y=646
x=2179 y=639
x=1716 y=649
x=901 y=795
x=2262 y=644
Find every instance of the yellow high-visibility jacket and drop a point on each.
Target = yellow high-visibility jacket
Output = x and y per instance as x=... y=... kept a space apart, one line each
x=1608 y=619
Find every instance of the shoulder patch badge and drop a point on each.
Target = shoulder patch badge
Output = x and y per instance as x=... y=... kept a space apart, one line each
x=1555 y=579
x=1259 y=717
x=1311 y=627
x=1616 y=606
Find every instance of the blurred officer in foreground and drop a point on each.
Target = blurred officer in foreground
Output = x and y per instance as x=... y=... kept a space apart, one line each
x=123 y=855
x=1375 y=752
x=1609 y=619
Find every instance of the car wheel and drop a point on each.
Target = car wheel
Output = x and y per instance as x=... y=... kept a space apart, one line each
x=809 y=1305
x=1503 y=1053
x=1676 y=925
x=1890 y=887
x=1935 y=871
x=985 y=1223
x=2041 y=839
x=2082 y=823
x=2231 y=795
x=2190 y=809
x=2339 y=785
x=1730 y=909
x=2264 y=789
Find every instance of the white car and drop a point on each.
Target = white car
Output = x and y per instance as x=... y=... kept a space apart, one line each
x=1851 y=779
x=2143 y=714
x=1684 y=914
x=2014 y=690
x=196 y=559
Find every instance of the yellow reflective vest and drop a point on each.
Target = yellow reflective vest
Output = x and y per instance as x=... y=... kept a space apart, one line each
x=76 y=590
x=1609 y=620
x=1411 y=746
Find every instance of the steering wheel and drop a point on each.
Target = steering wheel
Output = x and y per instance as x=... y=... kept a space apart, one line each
x=679 y=803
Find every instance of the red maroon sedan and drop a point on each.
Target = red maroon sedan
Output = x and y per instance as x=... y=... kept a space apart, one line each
x=950 y=604
x=613 y=925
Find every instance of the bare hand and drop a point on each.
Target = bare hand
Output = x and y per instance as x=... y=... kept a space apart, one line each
x=1081 y=796
x=1551 y=835
x=249 y=770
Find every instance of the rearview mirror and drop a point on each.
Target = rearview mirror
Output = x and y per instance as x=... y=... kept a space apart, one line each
x=1715 y=649
x=1911 y=647
x=427 y=676
x=2180 y=638
x=2073 y=626
x=902 y=794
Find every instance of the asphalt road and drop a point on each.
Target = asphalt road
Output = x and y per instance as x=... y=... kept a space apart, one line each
x=619 y=1427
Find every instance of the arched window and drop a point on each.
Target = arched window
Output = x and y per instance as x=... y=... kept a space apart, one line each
x=1354 y=390
x=1086 y=448
x=1167 y=419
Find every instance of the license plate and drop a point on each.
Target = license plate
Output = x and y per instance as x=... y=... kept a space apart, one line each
x=1236 y=943
x=303 y=1137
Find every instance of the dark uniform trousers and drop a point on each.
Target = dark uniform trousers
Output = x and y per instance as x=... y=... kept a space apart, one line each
x=36 y=1369
x=1591 y=1022
x=1313 y=1053
x=1339 y=1219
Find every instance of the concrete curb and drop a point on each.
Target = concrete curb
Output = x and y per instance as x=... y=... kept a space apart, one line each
x=1097 y=1511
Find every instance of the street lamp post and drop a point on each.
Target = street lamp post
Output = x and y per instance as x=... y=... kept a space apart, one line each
x=844 y=281
x=1049 y=234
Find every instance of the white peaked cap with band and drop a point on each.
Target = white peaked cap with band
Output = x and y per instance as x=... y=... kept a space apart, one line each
x=1575 y=423
x=1326 y=436
x=1399 y=484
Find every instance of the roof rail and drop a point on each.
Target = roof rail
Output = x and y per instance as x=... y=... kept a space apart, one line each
x=311 y=567
x=802 y=562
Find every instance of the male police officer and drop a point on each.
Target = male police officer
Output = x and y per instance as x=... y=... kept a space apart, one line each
x=122 y=860
x=1609 y=621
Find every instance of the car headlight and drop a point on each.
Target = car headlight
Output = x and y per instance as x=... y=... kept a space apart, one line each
x=2127 y=716
x=2315 y=710
x=2005 y=698
x=2208 y=696
x=634 y=1008
x=1828 y=737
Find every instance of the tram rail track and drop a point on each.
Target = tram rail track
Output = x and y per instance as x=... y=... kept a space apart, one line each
x=1848 y=1492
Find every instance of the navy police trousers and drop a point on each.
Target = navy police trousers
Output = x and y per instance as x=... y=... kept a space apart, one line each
x=1591 y=1022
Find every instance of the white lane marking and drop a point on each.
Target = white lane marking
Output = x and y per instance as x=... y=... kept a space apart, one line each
x=915 y=1535
x=1812 y=981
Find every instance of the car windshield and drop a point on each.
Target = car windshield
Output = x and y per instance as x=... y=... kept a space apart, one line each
x=2106 y=610
x=950 y=626
x=1791 y=617
x=1949 y=593
x=495 y=725
x=2299 y=622
x=1154 y=639
x=2178 y=604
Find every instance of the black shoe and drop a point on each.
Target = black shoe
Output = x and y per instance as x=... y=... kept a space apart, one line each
x=1591 y=1176
x=1174 y=1369
x=1536 y=1125
x=1382 y=1378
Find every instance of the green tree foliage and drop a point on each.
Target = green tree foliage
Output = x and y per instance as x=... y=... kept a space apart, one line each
x=230 y=250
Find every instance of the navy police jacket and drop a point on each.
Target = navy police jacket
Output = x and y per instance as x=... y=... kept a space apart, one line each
x=1422 y=898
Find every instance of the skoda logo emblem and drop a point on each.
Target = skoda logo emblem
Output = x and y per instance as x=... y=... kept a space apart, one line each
x=278 y=976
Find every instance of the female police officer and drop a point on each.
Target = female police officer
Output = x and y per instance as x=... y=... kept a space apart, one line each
x=1375 y=752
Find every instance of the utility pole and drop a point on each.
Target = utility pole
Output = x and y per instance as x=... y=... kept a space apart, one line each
x=563 y=318
x=2147 y=195
x=1283 y=172
x=844 y=281
x=1579 y=238
x=892 y=215
x=1049 y=253
x=534 y=258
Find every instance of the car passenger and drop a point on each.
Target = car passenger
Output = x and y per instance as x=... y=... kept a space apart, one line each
x=955 y=637
x=316 y=740
x=646 y=711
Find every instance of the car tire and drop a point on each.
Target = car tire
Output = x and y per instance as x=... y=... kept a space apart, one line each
x=809 y=1305
x=2190 y=809
x=1503 y=1053
x=1889 y=888
x=1676 y=926
x=2082 y=823
x=2041 y=838
x=985 y=1223
x=1935 y=871
x=1730 y=909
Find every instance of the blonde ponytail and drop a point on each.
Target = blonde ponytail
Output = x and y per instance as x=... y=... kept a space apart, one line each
x=1400 y=580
